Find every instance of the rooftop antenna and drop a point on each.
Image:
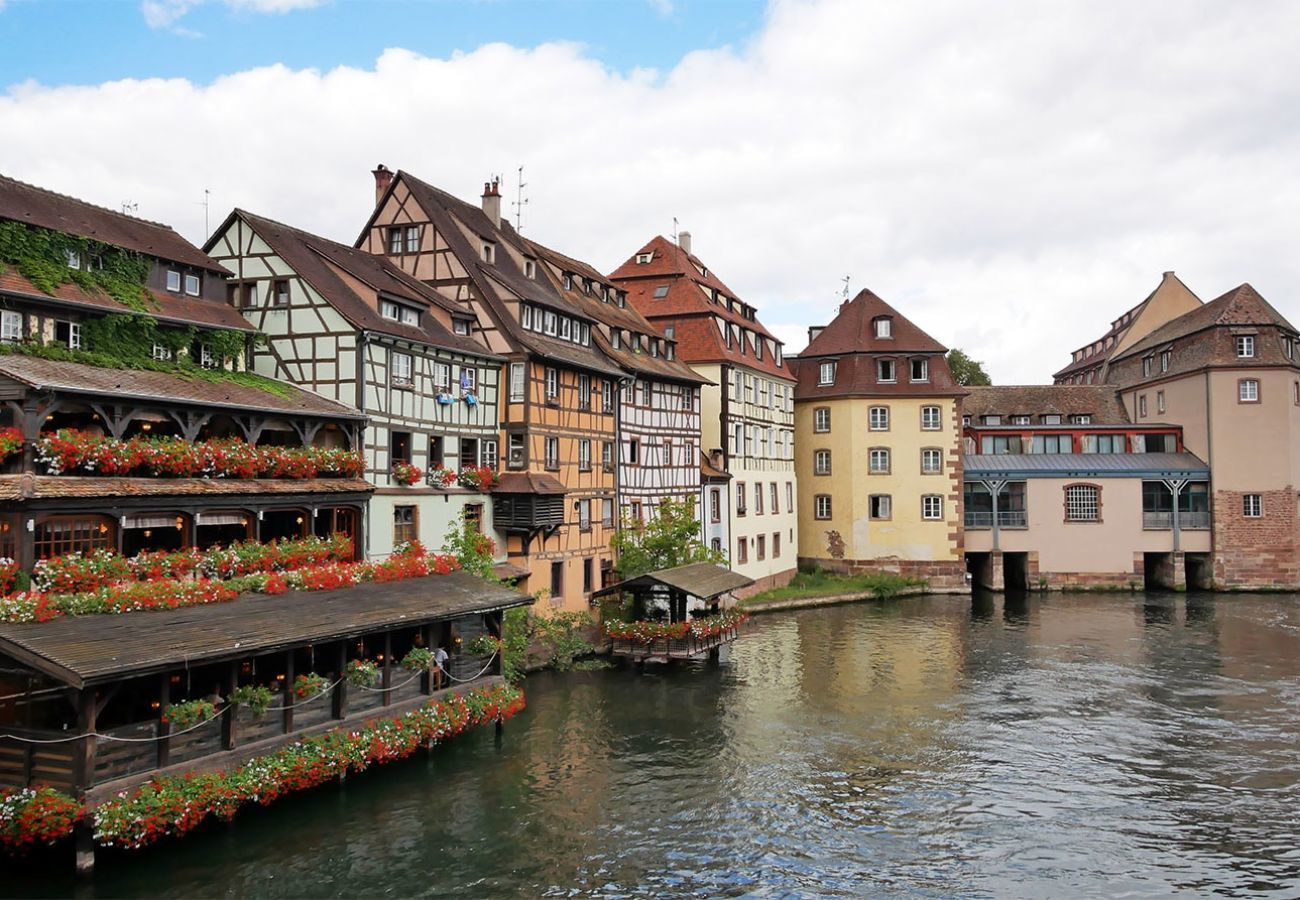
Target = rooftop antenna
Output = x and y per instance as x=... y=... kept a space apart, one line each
x=674 y=229
x=520 y=201
x=844 y=291
x=206 y=195
x=130 y=208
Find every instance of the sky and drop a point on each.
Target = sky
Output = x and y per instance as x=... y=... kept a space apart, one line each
x=1009 y=175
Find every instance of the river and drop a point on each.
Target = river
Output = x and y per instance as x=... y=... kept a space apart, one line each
x=1056 y=746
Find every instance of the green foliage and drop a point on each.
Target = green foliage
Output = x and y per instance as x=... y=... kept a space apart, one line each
x=514 y=643
x=671 y=538
x=472 y=549
x=256 y=697
x=556 y=641
x=967 y=371
x=819 y=583
x=417 y=659
x=40 y=256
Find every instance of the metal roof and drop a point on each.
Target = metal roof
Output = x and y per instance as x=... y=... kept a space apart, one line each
x=1083 y=465
x=80 y=650
x=703 y=580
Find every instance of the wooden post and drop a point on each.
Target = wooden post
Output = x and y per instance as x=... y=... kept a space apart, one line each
x=427 y=685
x=387 y=682
x=29 y=750
x=83 y=775
x=228 y=736
x=287 y=693
x=340 y=709
x=164 y=728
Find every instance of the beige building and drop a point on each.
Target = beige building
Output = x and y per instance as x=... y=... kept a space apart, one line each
x=878 y=447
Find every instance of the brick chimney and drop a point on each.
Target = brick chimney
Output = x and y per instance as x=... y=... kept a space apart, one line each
x=492 y=201
x=684 y=241
x=383 y=178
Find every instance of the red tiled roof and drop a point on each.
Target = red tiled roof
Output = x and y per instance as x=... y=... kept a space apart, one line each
x=853 y=331
x=166 y=308
x=32 y=205
x=1242 y=305
x=1099 y=401
x=855 y=376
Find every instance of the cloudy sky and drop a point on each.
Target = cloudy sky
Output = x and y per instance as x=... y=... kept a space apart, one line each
x=1009 y=175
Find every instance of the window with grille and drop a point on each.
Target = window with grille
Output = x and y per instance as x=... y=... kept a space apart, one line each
x=879 y=418
x=931 y=461
x=822 y=419
x=395 y=240
x=552 y=453
x=62 y=535
x=552 y=383
x=879 y=461
x=822 y=506
x=405 y=522
x=1248 y=390
x=826 y=373
x=11 y=325
x=1082 y=503
x=1245 y=347
x=931 y=418
x=822 y=462
x=1252 y=505
x=412 y=238
x=931 y=507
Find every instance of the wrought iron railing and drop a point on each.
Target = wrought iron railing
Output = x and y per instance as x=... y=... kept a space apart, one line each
x=1007 y=518
x=1163 y=520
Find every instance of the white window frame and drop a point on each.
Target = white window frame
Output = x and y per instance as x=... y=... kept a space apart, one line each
x=893 y=371
x=193 y=285
x=161 y=353
x=1248 y=390
x=1245 y=346
x=931 y=418
x=74 y=334
x=821 y=462
x=878 y=418
x=822 y=419
x=822 y=507
x=401 y=369
x=73 y=258
x=552 y=383
x=489 y=451
x=208 y=359
x=826 y=373
x=518 y=373
x=883 y=326
x=931 y=461
x=925 y=370
x=1252 y=506
x=932 y=507
x=174 y=281
x=1082 y=503
x=878 y=461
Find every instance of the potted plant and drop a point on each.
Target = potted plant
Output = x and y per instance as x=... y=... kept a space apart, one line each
x=309 y=685
x=442 y=477
x=417 y=659
x=362 y=672
x=181 y=716
x=404 y=473
x=254 y=696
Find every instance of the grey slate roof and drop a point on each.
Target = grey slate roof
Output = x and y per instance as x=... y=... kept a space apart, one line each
x=703 y=580
x=1083 y=465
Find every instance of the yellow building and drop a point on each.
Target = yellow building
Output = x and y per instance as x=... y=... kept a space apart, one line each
x=878 y=447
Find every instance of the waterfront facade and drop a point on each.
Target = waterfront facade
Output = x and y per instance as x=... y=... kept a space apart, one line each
x=350 y=326
x=746 y=408
x=878 y=447
x=553 y=502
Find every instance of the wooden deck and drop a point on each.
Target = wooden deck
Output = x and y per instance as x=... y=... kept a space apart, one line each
x=668 y=649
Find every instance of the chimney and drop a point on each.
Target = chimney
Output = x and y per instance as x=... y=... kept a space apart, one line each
x=684 y=241
x=716 y=460
x=492 y=201
x=813 y=331
x=383 y=178
x=1169 y=274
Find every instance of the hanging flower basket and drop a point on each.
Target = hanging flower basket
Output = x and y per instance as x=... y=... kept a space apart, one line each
x=442 y=477
x=188 y=714
x=406 y=474
x=362 y=672
x=446 y=399
x=470 y=401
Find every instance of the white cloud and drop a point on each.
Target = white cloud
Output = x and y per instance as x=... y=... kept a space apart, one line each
x=1010 y=176
x=663 y=7
x=167 y=13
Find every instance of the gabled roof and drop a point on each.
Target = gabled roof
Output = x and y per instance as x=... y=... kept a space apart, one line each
x=1099 y=401
x=313 y=257
x=1242 y=305
x=165 y=387
x=703 y=580
x=32 y=205
x=853 y=331
x=528 y=483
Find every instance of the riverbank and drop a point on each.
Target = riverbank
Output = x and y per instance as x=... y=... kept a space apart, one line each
x=822 y=588
x=782 y=604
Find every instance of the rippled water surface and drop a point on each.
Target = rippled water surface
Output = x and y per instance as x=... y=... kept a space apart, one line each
x=1065 y=746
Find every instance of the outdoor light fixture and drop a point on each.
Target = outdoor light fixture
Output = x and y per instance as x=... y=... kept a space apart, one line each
x=103 y=529
x=298 y=520
x=147 y=426
x=148 y=532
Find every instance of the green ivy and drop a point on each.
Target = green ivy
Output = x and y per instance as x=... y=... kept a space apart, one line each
x=40 y=256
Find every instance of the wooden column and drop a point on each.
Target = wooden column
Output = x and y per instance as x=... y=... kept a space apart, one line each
x=287 y=693
x=340 y=709
x=427 y=684
x=164 y=728
x=228 y=736
x=387 y=682
x=83 y=752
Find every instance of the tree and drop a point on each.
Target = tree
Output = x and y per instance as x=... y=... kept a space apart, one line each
x=967 y=371
x=472 y=549
x=671 y=538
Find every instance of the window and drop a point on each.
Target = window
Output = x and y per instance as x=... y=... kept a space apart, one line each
x=789 y=496
x=687 y=397
x=412 y=238
x=584 y=455
x=616 y=339
x=1248 y=390
x=1020 y=420
x=280 y=294
x=661 y=292
x=552 y=384
x=826 y=374
x=634 y=452
x=607 y=396
x=1160 y=401
x=741 y=509
x=557 y=580
x=460 y=326
x=1083 y=503
x=880 y=506
x=402 y=370
x=490 y=453
x=607 y=513
x=992 y=444
x=587 y=584
x=920 y=370
x=549 y=323
x=389 y=310
x=1052 y=419
x=1146 y=365
x=1052 y=443
x=584 y=519
x=62 y=535
x=530 y=268
x=1083 y=419
x=758 y=498
x=931 y=418
x=1142 y=406
x=742 y=550
x=884 y=327
x=515 y=455
x=762 y=546
x=822 y=419
x=885 y=370
x=645 y=393
x=878 y=418
x=399 y=447
x=552 y=459
x=607 y=455
x=931 y=507
x=192 y=285
x=1252 y=506
x=643 y=258
x=879 y=461
x=249 y=295
x=173 y=280
x=1245 y=347
x=395 y=240
x=517 y=371
x=405 y=521
x=73 y=258
x=931 y=461
x=489 y=252
x=821 y=462
x=822 y=506
x=584 y=392
x=474 y=517
x=738 y=440
x=208 y=359
x=1165 y=357
x=68 y=334
x=1104 y=443
x=161 y=352
x=715 y=505
x=991 y=420
x=442 y=377
x=776 y=544
x=772 y=493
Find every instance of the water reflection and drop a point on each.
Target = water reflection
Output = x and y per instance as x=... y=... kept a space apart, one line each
x=1060 y=745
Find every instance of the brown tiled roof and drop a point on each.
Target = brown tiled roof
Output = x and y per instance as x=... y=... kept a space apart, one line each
x=709 y=472
x=1097 y=400
x=852 y=331
x=528 y=483
x=141 y=384
x=313 y=257
x=856 y=376
x=166 y=307
x=37 y=487
x=1242 y=305
x=668 y=259
x=32 y=205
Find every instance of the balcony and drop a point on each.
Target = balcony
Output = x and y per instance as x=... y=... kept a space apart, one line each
x=1163 y=520
x=1007 y=518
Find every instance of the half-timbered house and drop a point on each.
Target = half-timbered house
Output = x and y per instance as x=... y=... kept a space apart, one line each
x=747 y=410
x=554 y=501
x=123 y=379
x=355 y=328
x=657 y=446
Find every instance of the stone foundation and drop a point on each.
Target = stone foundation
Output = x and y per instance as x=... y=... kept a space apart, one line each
x=766 y=583
x=1256 y=552
x=938 y=573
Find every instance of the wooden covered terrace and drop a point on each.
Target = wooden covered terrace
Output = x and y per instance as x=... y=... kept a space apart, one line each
x=82 y=698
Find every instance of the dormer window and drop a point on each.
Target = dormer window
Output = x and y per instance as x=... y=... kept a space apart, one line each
x=460 y=326
x=208 y=359
x=884 y=327
x=280 y=293
x=1051 y=419
x=550 y=324
x=826 y=373
x=489 y=251
x=643 y=259
x=397 y=313
x=616 y=339
x=661 y=292
x=193 y=283
x=885 y=371
x=566 y=326
x=174 y=281
x=920 y=370
x=1245 y=346
x=73 y=257
x=530 y=268
x=161 y=352
x=777 y=353
x=568 y=281
x=654 y=349
x=1020 y=420
x=991 y=420
x=1081 y=419
x=68 y=334
x=758 y=346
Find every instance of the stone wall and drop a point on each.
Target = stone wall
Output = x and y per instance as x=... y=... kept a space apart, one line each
x=1256 y=552
x=938 y=573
